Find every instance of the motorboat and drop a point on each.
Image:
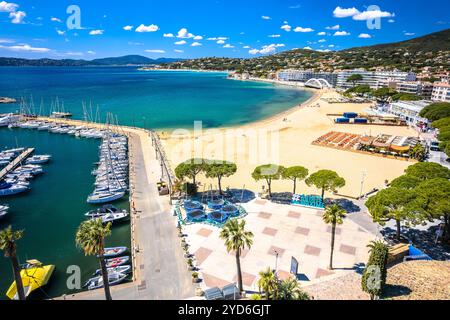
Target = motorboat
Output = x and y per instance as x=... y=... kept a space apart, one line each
x=114 y=252
x=3 y=211
x=34 y=276
x=112 y=217
x=120 y=269
x=116 y=262
x=42 y=159
x=106 y=209
x=8 y=189
x=114 y=278
x=105 y=197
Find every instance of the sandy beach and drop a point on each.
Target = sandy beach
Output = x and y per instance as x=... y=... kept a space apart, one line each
x=286 y=139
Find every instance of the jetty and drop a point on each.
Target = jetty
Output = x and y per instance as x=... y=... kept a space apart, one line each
x=7 y=100
x=159 y=267
x=16 y=162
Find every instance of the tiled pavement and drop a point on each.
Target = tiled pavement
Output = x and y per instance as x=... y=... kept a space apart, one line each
x=284 y=230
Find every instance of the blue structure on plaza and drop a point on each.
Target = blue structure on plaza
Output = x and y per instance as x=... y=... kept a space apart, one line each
x=315 y=202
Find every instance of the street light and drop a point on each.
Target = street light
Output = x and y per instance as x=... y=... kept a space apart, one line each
x=363 y=178
x=276 y=260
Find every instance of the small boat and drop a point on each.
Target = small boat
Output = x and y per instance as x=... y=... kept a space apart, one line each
x=39 y=159
x=34 y=276
x=114 y=252
x=3 y=211
x=105 y=197
x=8 y=189
x=121 y=269
x=112 y=217
x=103 y=211
x=97 y=282
x=116 y=262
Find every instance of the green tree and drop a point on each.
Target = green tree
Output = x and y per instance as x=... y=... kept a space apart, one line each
x=90 y=237
x=219 y=170
x=442 y=123
x=394 y=204
x=384 y=93
x=436 y=111
x=354 y=78
x=295 y=173
x=333 y=216
x=418 y=152
x=433 y=196
x=289 y=289
x=406 y=182
x=268 y=172
x=326 y=180
x=237 y=239
x=374 y=275
x=268 y=283
x=190 y=169
x=428 y=170
x=406 y=97
x=8 y=240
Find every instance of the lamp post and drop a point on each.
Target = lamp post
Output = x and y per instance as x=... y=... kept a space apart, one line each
x=276 y=260
x=363 y=178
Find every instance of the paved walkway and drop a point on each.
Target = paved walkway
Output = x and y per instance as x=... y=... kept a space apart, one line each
x=160 y=270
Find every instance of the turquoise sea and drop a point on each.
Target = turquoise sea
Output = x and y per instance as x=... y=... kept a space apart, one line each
x=152 y=99
x=50 y=213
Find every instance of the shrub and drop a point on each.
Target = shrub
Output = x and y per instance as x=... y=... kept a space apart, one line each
x=374 y=276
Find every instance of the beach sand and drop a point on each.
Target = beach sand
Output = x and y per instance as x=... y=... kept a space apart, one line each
x=289 y=136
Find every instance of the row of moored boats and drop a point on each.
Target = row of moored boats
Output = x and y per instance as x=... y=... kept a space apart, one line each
x=61 y=128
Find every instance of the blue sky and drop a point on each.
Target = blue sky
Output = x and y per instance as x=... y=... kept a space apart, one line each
x=190 y=29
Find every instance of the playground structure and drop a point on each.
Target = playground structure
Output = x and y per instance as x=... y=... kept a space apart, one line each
x=308 y=201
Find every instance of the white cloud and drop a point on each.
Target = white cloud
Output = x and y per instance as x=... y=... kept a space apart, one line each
x=220 y=42
x=365 y=36
x=269 y=49
x=391 y=20
x=196 y=44
x=341 y=33
x=178 y=51
x=198 y=38
x=372 y=14
x=17 y=17
x=300 y=29
x=61 y=33
x=228 y=46
x=286 y=28
x=155 y=51
x=24 y=48
x=128 y=28
x=6 y=41
x=331 y=46
x=266 y=18
x=168 y=35
x=8 y=6
x=135 y=43
x=336 y=27
x=307 y=48
x=409 y=33
x=322 y=33
x=75 y=54
x=184 y=34
x=246 y=47
x=344 y=13
x=274 y=36
x=55 y=19
x=150 y=28
x=322 y=40
x=324 y=50
x=181 y=42
x=96 y=32
x=91 y=52
x=280 y=45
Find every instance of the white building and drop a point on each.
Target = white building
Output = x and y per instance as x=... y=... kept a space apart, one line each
x=441 y=92
x=306 y=75
x=409 y=111
x=374 y=80
x=423 y=89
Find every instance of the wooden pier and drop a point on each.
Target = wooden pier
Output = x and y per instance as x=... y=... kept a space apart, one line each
x=16 y=162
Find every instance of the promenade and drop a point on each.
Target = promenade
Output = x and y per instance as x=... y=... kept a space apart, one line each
x=160 y=270
x=15 y=163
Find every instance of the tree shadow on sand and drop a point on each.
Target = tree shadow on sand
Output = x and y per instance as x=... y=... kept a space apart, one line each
x=391 y=291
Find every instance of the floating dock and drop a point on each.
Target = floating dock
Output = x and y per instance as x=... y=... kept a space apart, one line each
x=16 y=162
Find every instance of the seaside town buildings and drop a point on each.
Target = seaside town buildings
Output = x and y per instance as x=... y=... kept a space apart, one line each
x=403 y=82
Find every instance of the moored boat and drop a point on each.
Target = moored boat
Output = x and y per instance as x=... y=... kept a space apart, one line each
x=121 y=269
x=116 y=262
x=114 y=252
x=114 y=278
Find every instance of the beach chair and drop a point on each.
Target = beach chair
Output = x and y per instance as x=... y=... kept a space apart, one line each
x=214 y=294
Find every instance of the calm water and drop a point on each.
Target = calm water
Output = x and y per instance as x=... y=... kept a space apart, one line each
x=52 y=210
x=152 y=99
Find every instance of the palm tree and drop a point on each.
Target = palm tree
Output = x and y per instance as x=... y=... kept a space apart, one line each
x=8 y=239
x=91 y=238
x=333 y=215
x=268 y=283
x=289 y=289
x=236 y=239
